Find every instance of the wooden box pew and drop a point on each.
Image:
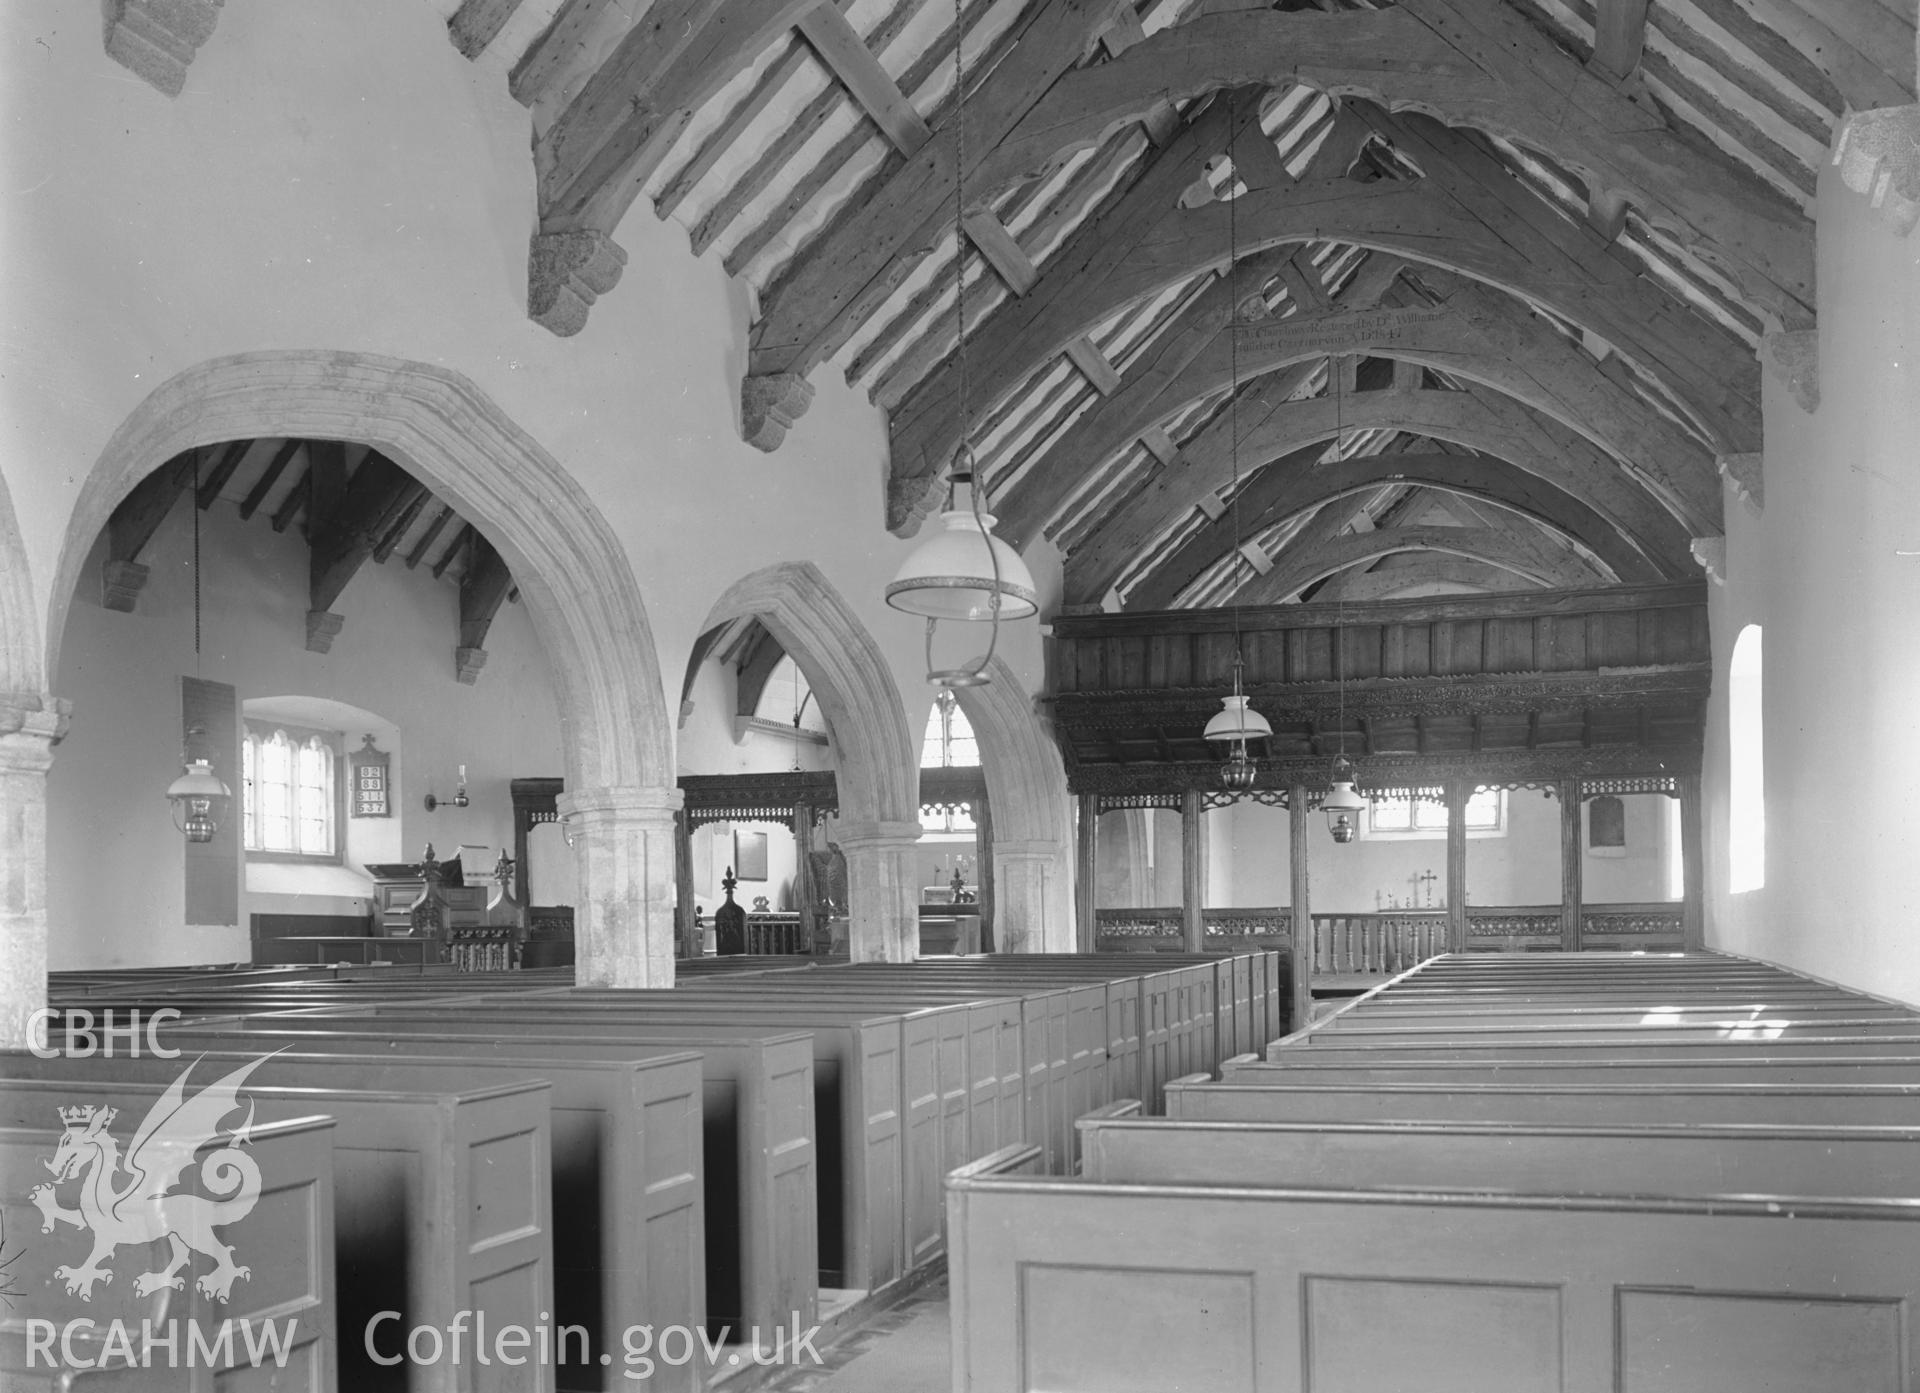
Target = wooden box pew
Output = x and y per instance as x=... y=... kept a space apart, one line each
x=1173 y=1008
x=629 y=1222
x=442 y=1202
x=1302 y=1067
x=285 y=1239
x=1834 y=1162
x=757 y=1145
x=1201 y=1099
x=1070 y=1284
x=1250 y=987
x=945 y=1091
x=1490 y=1031
x=1050 y=1049
x=1579 y=1052
x=1072 y=1025
x=1610 y=1011
x=862 y=1127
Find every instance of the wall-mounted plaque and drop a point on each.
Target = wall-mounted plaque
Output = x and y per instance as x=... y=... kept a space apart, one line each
x=369 y=791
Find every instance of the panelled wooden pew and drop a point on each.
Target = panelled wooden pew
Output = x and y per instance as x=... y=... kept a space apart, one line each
x=1693 y=1160
x=1354 y=1049
x=442 y=1201
x=1837 y=1105
x=285 y=1239
x=872 y=1146
x=1070 y=1284
x=626 y=1160
x=1644 y=1070
x=758 y=1146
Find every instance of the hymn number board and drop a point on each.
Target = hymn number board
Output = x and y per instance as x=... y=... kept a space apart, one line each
x=369 y=767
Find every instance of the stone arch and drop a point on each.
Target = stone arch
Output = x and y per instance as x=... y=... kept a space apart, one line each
x=1027 y=787
x=875 y=750
x=30 y=724
x=572 y=572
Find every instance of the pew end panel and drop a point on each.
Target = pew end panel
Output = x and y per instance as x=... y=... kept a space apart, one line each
x=284 y=1243
x=1069 y=1285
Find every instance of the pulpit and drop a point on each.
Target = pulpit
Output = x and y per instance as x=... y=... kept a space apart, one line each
x=398 y=886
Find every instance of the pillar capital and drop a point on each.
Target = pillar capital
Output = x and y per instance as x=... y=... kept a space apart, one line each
x=30 y=726
x=863 y=836
x=643 y=805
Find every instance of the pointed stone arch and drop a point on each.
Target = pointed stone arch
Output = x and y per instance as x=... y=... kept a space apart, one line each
x=1027 y=788
x=572 y=572
x=879 y=776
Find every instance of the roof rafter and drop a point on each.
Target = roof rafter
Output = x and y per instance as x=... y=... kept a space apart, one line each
x=845 y=273
x=1497 y=547
x=1274 y=427
x=1474 y=63
x=1279 y=493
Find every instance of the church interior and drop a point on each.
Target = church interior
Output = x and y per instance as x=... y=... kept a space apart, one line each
x=1102 y=694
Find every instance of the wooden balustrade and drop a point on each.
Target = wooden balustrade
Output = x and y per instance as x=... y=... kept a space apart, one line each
x=1381 y=944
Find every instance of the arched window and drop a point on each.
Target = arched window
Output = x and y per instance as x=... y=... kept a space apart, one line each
x=1746 y=767
x=949 y=744
x=291 y=793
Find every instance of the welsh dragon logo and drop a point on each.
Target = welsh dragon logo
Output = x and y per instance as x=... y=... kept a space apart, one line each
x=143 y=1208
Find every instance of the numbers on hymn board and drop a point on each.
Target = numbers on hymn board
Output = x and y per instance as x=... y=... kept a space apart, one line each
x=370 y=781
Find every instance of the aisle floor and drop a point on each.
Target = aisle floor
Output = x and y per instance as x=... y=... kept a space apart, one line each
x=903 y=1350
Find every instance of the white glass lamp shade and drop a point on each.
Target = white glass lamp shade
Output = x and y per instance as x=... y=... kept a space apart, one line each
x=199 y=801
x=1343 y=806
x=1235 y=720
x=951 y=574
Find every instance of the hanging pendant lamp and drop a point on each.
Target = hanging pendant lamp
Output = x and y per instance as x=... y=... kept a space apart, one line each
x=963 y=572
x=1235 y=722
x=1343 y=803
x=199 y=800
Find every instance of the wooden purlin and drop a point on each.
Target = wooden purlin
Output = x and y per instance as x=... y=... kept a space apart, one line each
x=1307 y=564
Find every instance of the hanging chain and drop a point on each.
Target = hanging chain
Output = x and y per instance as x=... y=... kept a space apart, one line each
x=959 y=213
x=1233 y=371
x=195 y=502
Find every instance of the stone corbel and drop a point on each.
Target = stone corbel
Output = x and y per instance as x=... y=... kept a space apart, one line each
x=769 y=404
x=1711 y=553
x=1747 y=474
x=156 y=40
x=467 y=663
x=120 y=585
x=566 y=273
x=323 y=626
x=1878 y=155
x=1793 y=357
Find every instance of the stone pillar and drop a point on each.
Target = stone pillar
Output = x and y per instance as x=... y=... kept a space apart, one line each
x=28 y=733
x=1027 y=881
x=1570 y=907
x=623 y=847
x=883 y=891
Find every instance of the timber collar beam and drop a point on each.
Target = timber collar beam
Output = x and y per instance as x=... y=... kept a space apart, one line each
x=1475 y=63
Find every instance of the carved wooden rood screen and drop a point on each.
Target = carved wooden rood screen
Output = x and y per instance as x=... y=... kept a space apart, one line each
x=1581 y=694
